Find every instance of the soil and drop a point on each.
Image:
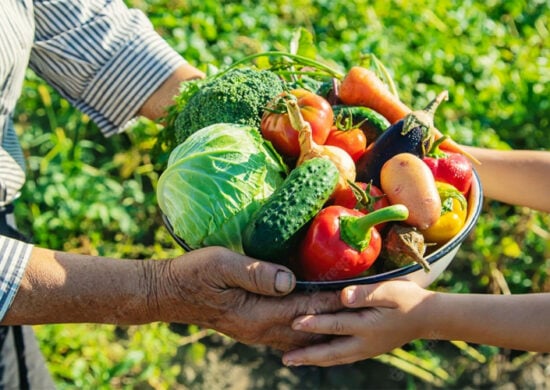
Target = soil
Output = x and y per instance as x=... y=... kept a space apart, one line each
x=231 y=365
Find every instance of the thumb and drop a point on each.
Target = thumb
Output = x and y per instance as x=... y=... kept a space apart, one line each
x=259 y=277
x=369 y=295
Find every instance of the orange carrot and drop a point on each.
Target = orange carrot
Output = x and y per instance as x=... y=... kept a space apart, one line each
x=362 y=87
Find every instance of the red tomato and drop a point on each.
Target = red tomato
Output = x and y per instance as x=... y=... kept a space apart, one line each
x=374 y=200
x=276 y=127
x=347 y=198
x=452 y=168
x=351 y=140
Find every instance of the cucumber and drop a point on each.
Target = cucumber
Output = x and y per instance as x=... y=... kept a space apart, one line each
x=275 y=228
x=371 y=122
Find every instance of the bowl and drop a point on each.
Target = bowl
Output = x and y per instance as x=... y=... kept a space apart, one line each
x=439 y=259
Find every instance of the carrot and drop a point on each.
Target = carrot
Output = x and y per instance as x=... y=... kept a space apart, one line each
x=362 y=87
x=451 y=146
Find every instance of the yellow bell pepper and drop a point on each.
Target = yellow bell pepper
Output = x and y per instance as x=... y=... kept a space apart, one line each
x=453 y=215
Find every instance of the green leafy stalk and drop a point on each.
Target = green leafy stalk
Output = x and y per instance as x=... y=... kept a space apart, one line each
x=296 y=59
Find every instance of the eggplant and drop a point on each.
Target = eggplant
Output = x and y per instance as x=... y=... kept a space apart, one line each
x=389 y=144
x=412 y=134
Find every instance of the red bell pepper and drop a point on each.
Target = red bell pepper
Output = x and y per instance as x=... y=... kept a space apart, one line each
x=450 y=167
x=342 y=243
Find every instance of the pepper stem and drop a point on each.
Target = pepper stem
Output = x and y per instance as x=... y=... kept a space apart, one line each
x=356 y=231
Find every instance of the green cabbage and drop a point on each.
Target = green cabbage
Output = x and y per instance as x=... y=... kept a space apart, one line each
x=215 y=180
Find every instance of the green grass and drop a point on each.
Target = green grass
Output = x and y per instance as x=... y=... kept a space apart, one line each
x=491 y=56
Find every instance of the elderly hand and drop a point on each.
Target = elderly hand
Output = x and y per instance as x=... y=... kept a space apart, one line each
x=213 y=287
x=239 y=296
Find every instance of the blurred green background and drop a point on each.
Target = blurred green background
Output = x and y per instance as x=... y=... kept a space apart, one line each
x=93 y=195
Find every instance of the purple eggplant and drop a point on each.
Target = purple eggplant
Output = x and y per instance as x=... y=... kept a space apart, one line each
x=412 y=134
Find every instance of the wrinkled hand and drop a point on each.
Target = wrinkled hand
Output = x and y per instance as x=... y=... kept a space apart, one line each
x=241 y=297
x=387 y=316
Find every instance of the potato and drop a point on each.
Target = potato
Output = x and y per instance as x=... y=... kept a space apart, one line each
x=407 y=180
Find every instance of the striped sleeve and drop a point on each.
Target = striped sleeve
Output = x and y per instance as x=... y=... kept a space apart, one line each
x=104 y=58
x=14 y=256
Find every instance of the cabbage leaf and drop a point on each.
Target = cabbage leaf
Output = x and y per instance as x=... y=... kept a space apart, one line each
x=215 y=180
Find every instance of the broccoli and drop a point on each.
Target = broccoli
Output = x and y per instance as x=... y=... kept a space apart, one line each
x=238 y=96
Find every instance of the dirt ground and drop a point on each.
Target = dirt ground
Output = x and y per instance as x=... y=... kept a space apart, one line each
x=236 y=366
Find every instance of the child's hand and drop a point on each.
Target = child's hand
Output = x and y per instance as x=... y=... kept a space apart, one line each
x=385 y=316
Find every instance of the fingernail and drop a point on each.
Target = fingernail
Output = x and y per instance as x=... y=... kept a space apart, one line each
x=301 y=323
x=297 y=325
x=350 y=295
x=289 y=362
x=283 y=281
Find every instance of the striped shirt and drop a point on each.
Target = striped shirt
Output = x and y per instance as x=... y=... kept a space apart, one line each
x=101 y=56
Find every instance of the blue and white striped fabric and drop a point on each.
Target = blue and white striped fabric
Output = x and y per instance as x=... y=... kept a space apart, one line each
x=104 y=58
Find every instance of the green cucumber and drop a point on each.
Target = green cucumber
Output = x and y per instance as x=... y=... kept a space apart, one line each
x=275 y=228
x=371 y=122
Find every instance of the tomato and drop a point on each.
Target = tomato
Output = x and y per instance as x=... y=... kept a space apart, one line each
x=360 y=199
x=353 y=141
x=451 y=168
x=348 y=198
x=277 y=129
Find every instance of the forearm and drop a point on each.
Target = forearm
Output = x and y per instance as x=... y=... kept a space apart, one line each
x=156 y=105
x=70 y=288
x=516 y=177
x=508 y=321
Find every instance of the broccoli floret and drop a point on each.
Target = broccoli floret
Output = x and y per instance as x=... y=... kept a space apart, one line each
x=238 y=96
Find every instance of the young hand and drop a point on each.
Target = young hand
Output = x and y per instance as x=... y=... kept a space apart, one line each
x=384 y=316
